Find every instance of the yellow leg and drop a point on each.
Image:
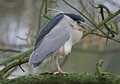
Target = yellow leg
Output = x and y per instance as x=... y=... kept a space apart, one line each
x=58 y=67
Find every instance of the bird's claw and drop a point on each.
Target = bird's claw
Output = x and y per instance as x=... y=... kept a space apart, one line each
x=60 y=72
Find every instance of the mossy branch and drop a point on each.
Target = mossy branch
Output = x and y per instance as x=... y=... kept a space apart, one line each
x=16 y=56
x=98 y=77
x=73 y=78
x=103 y=6
x=10 y=66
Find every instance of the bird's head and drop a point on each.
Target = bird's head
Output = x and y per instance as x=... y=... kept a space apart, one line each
x=82 y=26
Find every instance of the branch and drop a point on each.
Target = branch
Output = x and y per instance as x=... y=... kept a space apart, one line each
x=9 y=50
x=99 y=25
x=73 y=78
x=98 y=77
x=14 y=57
x=84 y=8
x=46 y=6
x=9 y=73
x=39 y=22
x=7 y=68
x=103 y=6
x=102 y=23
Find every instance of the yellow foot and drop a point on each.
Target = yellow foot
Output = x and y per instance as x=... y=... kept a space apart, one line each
x=60 y=72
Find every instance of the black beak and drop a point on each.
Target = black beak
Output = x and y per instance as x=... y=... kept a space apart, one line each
x=87 y=27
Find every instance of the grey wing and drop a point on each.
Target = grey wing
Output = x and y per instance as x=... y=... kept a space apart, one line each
x=51 y=42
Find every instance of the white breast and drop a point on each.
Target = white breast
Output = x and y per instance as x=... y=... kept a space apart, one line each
x=75 y=36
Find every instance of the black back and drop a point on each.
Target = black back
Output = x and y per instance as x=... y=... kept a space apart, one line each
x=75 y=17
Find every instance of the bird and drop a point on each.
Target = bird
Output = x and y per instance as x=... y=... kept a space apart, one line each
x=57 y=38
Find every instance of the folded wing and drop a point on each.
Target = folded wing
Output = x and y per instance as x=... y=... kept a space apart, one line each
x=51 y=42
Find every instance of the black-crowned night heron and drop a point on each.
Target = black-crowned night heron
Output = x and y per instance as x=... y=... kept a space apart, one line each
x=57 y=39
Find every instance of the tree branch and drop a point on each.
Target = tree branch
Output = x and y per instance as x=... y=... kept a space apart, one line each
x=9 y=50
x=102 y=23
x=39 y=22
x=99 y=25
x=10 y=66
x=98 y=77
x=73 y=78
x=14 y=57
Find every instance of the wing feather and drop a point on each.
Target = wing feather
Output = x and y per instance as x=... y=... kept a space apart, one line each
x=48 y=28
x=51 y=42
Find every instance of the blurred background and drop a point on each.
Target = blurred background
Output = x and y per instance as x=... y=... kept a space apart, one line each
x=20 y=20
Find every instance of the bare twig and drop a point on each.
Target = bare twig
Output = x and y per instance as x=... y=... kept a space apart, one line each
x=9 y=50
x=39 y=21
x=27 y=38
x=84 y=8
x=46 y=4
x=93 y=5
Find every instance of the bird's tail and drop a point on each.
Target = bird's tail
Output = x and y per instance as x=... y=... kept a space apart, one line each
x=32 y=59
